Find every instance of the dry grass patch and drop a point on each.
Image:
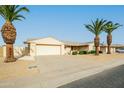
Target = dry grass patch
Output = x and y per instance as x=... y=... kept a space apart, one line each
x=16 y=69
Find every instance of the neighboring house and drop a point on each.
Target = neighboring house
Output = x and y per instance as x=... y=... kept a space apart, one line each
x=114 y=47
x=52 y=46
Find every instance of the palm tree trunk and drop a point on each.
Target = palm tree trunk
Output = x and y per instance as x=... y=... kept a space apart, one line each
x=109 y=41
x=109 y=49
x=9 y=37
x=97 y=51
x=9 y=53
x=96 y=43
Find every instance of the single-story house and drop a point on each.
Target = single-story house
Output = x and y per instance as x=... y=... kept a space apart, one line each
x=114 y=47
x=52 y=46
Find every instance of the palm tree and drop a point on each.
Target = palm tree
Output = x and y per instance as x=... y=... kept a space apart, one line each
x=96 y=28
x=10 y=13
x=109 y=28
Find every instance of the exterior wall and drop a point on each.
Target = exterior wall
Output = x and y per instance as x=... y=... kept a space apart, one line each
x=88 y=47
x=32 y=49
x=18 y=51
x=84 y=48
x=91 y=47
x=104 y=49
x=63 y=51
x=4 y=51
x=67 y=50
x=1 y=52
x=113 y=50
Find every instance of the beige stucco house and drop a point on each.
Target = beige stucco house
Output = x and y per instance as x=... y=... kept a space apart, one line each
x=52 y=46
x=114 y=47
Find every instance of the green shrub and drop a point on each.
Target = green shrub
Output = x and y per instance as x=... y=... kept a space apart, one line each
x=74 y=53
x=83 y=52
x=92 y=52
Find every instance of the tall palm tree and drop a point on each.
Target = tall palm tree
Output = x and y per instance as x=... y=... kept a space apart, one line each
x=96 y=28
x=10 y=13
x=109 y=28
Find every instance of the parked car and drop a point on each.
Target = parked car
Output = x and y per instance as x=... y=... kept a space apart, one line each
x=120 y=50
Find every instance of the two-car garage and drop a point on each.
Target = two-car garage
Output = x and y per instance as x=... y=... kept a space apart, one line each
x=48 y=49
x=45 y=46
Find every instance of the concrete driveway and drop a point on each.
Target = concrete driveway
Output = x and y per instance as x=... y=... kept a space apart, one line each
x=55 y=71
x=59 y=70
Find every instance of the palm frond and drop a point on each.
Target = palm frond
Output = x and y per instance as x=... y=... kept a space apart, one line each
x=110 y=27
x=18 y=17
x=12 y=12
x=90 y=28
x=97 y=26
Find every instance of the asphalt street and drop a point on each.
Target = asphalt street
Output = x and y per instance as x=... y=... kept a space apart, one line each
x=113 y=78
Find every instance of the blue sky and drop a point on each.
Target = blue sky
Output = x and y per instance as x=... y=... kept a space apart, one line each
x=66 y=23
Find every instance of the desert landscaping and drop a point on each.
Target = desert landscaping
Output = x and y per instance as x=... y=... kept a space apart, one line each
x=16 y=69
x=54 y=71
x=47 y=62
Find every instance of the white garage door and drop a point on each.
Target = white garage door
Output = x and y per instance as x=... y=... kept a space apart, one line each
x=48 y=50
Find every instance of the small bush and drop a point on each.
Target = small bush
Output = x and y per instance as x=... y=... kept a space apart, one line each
x=74 y=53
x=83 y=52
x=92 y=52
